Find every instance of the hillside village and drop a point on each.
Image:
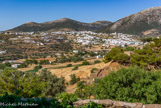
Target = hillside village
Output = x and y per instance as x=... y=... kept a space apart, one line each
x=80 y=54
x=33 y=43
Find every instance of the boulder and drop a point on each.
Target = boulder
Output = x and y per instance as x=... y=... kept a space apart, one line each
x=152 y=106
x=120 y=104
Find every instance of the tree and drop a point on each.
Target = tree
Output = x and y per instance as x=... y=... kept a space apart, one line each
x=69 y=65
x=117 y=54
x=144 y=57
x=97 y=61
x=74 y=79
x=20 y=83
x=2 y=66
x=129 y=49
x=85 y=63
x=31 y=86
x=93 y=70
x=109 y=56
x=131 y=85
x=54 y=85
x=122 y=58
x=10 y=80
x=75 y=68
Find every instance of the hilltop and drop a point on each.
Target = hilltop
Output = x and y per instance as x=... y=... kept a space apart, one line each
x=64 y=24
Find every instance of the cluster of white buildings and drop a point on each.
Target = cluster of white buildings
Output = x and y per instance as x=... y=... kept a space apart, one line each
x=83 y=37
x=87 y=39
x=18 y=33
x=78 y=33
x=118 y=39
x=3 y=52
x=121 y=40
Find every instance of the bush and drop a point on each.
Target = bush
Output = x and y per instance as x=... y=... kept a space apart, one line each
x=85 y=63
x=8 y=64
x=20 y=83
x=149 y=57
x=80 y=85
x=27 y=84
x=75 y=68
x=38 y=67
x=44 y=62
x=117 y=54
x=92 y=105
x=93 y=70
x=97 y=61
x=73 y=79
x=54 y=85
x=69 y=65
x=110 y=56
x=66 y=99
x=130 y=85
x=2 y=66
x=31 y=61
x=129 y=49
x=148 y=39
x=146 y=56
x=122 y=58
x=23 y=65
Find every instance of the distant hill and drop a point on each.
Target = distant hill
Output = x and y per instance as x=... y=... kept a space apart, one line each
x=146 y=22
x=64 y=24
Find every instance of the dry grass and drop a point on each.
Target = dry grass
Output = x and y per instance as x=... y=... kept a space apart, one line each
x=30 y=67
x=83 y=72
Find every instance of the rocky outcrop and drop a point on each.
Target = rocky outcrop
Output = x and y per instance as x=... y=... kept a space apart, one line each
x=115 y=104
x=111 y=66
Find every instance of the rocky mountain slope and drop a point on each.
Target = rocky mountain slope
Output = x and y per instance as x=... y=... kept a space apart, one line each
x=64 y=24
x=146 y=22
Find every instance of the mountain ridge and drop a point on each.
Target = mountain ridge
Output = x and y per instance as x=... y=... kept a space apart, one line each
x=148 y=20
x=60 y=24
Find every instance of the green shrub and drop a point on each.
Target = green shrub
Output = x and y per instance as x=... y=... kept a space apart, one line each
x=74 y=79
x=2 y=66
x=75 y=68
x=44 y=62
x=148 y=39
x=66 y=99
x=97 y=61
x=8 y=64
x=129 y=49
x=146 y=56
x=122 y=58
x=130 y=85
x=93 y=70
x=69 y=65
x=27 y=61
x=110 y=56
x=38 y=67
x=85 y=63
x=81 y=84
x=53 y=84
x=23 y=65
x=92 y=105
x=27 y=84
x=20 y=83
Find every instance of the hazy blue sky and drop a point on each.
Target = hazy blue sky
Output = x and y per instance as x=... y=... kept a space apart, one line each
x=16 y=12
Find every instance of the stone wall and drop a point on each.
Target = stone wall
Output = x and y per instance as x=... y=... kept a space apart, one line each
x=115 y=104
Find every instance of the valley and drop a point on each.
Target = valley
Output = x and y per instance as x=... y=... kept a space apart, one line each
x=66 y=63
